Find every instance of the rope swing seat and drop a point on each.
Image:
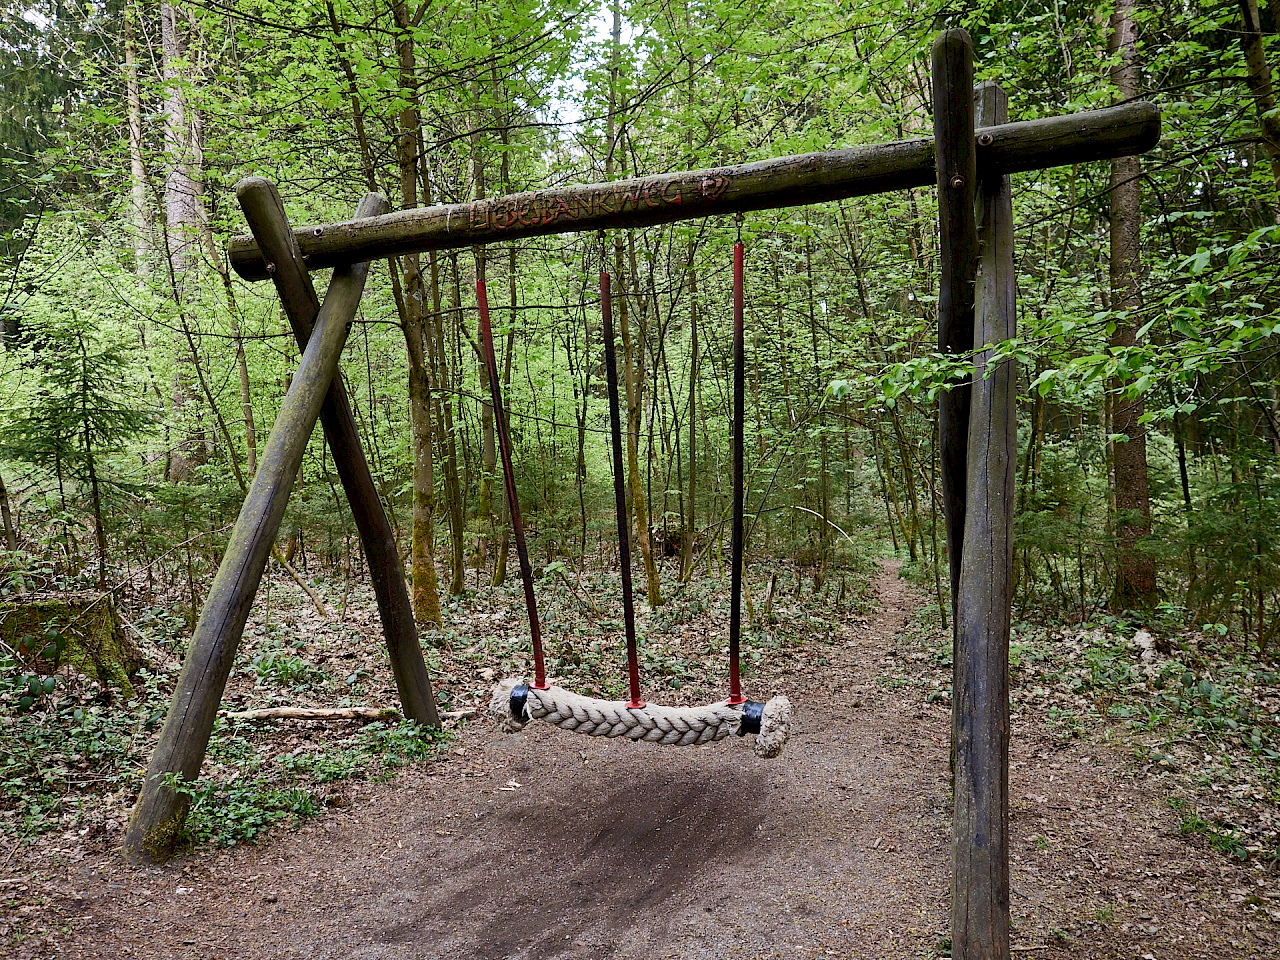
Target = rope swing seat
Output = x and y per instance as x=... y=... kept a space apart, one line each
x=516 y=702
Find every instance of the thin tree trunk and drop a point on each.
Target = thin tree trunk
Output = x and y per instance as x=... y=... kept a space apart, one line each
x=504 y=174
x=137 y=172
x=246 y=398
x=6 y=517
x=426 y=590
x=1136 y=575
x=691 y=523
x=633 y=377
x=488 y=449
x=452 y=482
x=1258 y=79
x=182 y=222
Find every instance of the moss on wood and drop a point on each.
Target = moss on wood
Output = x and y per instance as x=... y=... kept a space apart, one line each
x=93 y=641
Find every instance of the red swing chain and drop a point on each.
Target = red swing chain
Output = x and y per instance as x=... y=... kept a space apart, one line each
x=619 y=485
x=739 y=414
x=509 y=480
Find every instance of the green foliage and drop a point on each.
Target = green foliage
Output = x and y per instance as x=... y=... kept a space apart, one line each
x=60 y=755
x=286 y=670
x=78 y=407
x=225 y=815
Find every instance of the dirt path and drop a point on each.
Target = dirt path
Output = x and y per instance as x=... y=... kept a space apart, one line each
x=553 y=845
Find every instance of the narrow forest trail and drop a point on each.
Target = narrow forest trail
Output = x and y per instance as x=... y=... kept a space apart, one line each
x=550 y=845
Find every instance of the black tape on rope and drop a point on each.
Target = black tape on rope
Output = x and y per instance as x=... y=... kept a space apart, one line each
x=752 y=715
x=520 y=703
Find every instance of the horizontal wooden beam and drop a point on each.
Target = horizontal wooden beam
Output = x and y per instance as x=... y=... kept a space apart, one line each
x=1124 y=130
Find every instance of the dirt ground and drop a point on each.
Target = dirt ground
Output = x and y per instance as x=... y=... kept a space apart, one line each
x=549 y=845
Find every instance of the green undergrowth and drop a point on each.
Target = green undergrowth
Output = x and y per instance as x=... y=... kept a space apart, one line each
x=1199 y=718
x=254 y=789
x=76 y=765
x=71 y=763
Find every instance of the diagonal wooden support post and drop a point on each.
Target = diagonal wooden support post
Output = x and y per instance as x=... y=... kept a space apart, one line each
x=980 y=842
x=957 y=164
x=265 y=213
x=155 y=829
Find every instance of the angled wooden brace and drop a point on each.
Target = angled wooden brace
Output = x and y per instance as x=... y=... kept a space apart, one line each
x=156 y=826
x=265 y=213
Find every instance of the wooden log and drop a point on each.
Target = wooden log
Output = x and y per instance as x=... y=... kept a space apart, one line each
x=315 y=713
x=155 y=829
x=957 y=172
x=782 y=182
x=267 y=219
x=980 y=844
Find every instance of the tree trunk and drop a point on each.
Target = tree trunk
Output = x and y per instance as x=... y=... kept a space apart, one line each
x=426 y=590
x=633 y=380
x=691 y=522
x=504 y=546
x=504 y=174
x=182 y=222
x=452 y=481
x=1136 y=576
x=488 y=449
x=246 y=397
x=6 y=517
x=91 y=467
x=137 y=172
x=1258 y=78
x=632 y=359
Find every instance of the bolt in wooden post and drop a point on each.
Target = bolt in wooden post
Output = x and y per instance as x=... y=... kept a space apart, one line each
x=980 y=842
x=265 y=214
x=156 y=827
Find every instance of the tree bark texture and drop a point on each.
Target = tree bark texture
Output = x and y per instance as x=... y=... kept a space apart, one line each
x=1136 y=574
x=980 y=840
x=414 y=322
x=691 y=523
x=6 y=518
x=266 y=215
x=156 y=827
x=1258 y=78
x=181 y=188
x=182 y=226
x=782 y=182
x=137 y=171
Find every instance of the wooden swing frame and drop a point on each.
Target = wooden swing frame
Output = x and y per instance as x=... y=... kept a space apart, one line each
x=970 y=157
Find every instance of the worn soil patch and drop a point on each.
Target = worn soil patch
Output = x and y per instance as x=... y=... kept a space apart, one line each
x=551 y=845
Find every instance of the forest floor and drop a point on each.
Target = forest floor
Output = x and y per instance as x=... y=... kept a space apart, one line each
x=550 y=845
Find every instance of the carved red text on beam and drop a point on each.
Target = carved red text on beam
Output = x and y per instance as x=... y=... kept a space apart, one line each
x=713 y=188
x=540 y=209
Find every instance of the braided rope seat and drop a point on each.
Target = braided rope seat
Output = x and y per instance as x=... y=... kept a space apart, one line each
x=514 y=703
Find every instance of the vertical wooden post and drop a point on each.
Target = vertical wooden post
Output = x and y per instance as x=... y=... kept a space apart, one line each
x=265 y=214
x=156 y=826
x=956 y=158
x=980 y=844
